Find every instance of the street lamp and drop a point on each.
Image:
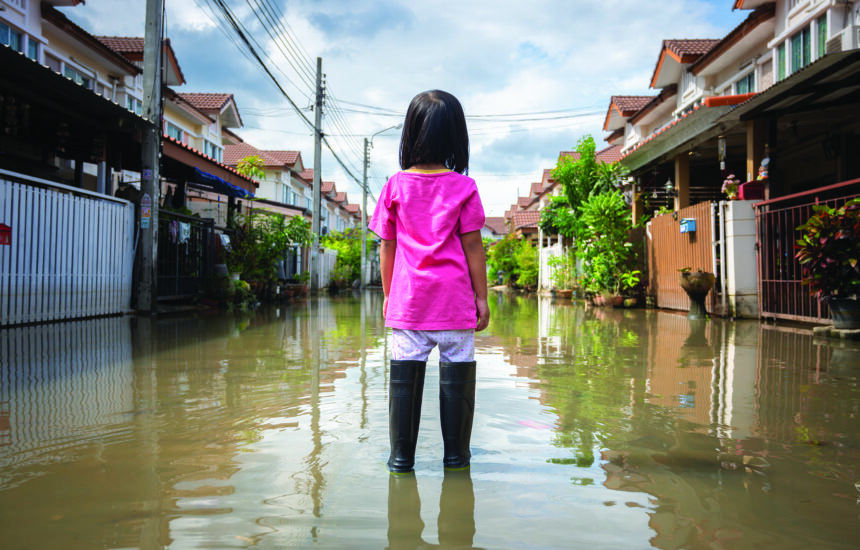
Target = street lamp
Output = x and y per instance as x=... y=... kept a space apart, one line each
x=367 y=144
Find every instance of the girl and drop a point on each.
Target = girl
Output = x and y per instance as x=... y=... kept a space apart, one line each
x=429 y=217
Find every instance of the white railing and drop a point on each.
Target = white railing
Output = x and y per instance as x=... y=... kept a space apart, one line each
x=71 y=252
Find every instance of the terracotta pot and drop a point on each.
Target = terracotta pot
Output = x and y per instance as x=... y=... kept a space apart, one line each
x=697 y=284
x=617 y=301
x=564 y=293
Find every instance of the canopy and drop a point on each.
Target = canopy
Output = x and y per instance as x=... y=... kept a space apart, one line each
x=220 y=185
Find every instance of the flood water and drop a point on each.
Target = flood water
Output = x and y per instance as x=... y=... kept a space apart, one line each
x=594 y=428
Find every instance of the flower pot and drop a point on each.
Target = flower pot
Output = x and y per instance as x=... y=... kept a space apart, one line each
x=564 y=294
x=629 y=302
x=845 y=313
x=697 y=284
x=617 y=301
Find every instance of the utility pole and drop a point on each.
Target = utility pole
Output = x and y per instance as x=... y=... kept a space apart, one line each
x=150 y=176
x=315 y=220
x=367 y=144
x=364 y=220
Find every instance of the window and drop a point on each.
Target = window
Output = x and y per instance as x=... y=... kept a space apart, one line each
x=78 y=76
x=688 y=82
x=780 y=55
x=212 y=150
x=53 y=63
x=746 y=84
x=308 y=203
x=100 y=88
x=821 y=25
x=133 y=104
x=32 y=49
x=10 y=37
x=801 y=56
x=175 y=132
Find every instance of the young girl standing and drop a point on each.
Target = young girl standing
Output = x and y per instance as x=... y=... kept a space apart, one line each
x=429 y=217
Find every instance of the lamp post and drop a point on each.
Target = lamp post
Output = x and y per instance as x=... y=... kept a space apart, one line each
x=367 y=145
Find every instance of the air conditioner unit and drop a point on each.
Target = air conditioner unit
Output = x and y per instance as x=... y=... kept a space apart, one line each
x=847 y=39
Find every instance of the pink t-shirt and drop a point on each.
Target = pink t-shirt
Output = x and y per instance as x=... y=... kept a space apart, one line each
x=426 y=212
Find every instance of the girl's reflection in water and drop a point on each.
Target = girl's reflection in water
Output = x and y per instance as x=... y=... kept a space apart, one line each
x=456 y=521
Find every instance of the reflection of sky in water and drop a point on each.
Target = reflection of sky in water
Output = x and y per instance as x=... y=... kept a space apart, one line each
x=593 y=429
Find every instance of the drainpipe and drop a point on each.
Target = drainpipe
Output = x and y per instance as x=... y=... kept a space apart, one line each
x=723 y=259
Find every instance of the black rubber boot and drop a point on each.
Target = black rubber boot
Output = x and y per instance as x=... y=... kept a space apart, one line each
x=406 y=389
x=456 y=409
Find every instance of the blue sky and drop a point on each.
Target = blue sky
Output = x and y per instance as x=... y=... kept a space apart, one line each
x=499 y=57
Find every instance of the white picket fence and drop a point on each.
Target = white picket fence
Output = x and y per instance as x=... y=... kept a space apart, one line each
x=327 y=260
x=71 y=253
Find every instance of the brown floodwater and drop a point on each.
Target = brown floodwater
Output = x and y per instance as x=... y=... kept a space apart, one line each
x=594 y=428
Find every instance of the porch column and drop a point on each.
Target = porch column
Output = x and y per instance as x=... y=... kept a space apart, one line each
x=682 y=181
x=638 y=208
x=756 y=130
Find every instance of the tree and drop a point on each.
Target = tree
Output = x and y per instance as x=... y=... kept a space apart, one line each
x=585 y=176
x=252 y=167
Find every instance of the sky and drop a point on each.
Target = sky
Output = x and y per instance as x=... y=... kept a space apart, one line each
x=533 y=77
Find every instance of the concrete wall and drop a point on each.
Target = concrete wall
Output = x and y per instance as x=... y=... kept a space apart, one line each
x=741 y=269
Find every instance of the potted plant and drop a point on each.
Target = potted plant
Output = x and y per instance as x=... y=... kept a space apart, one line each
x=562 y=275
x=628 y=281
x=731 y=187
x=829 y=251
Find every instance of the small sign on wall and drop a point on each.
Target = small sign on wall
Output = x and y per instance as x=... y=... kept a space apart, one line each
x=688 y=225
x=5 y=235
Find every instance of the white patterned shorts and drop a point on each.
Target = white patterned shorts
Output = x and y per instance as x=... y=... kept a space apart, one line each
x=415 y=345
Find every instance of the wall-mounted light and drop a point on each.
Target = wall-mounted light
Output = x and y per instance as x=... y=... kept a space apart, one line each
x=670 y=189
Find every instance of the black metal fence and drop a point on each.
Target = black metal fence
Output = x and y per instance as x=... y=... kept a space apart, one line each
x=186 y=252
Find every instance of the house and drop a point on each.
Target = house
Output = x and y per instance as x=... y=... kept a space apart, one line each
x=72 y=127
x=494 y=228
x=773 y=104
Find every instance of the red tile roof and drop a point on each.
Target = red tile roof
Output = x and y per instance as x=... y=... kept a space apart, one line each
x=526 y=219
x=206 y=101
x=286 y=157
x=234 y=153
x=496 y=224
x=123 y=44
x=609 y=154
x=536 y=189
x=354 y=208
x=307 y=174
x=131 y=48
x=690 y=46
x=630 y=103
x=340 y=196
x=683 y=51
x=327 y=187
x=524 y=202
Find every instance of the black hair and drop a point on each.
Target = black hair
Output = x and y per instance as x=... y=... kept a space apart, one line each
x=434 y=132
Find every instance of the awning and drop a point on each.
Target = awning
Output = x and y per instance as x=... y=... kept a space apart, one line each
x=221 y=186
x=682 y=133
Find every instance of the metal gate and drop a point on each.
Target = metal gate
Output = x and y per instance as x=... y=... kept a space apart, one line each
x=781 y=294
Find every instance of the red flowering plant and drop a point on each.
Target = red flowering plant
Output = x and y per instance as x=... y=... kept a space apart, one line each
x=829 y=251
